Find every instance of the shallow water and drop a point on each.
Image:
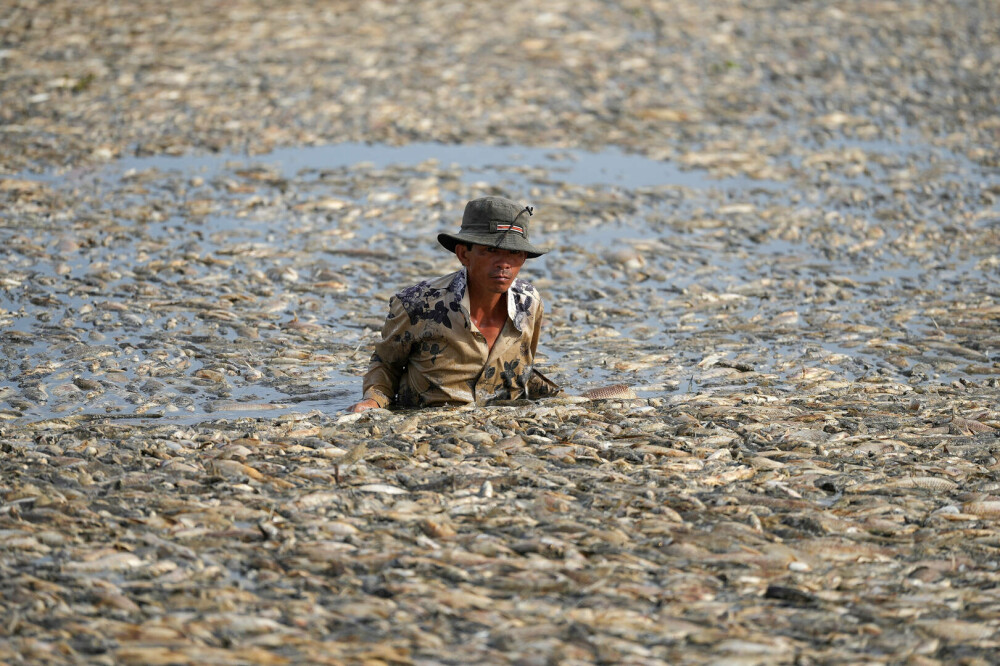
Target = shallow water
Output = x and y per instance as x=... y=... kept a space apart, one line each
x=609 y=167
x=307 y=209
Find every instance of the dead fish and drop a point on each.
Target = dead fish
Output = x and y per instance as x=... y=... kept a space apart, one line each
x=612 y=392
x=985 y=509
x=956 y=630
x=109 y=562
x=234 y=406
x=381 y=488
x=961 y=426
x=934 y=483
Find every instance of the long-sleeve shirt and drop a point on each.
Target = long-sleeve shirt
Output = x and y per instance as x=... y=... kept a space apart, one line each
x=431 y=353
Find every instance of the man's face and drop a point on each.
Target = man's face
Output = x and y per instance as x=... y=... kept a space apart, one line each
x=490 y=269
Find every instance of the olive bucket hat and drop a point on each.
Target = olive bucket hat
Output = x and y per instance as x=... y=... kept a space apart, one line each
x=495 y=222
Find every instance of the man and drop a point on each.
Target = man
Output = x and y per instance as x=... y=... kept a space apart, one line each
x=469 y=336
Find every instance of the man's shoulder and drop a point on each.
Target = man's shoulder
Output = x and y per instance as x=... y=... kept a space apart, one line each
x=526 y=296
x=525 y=303
x=524 y=287
x=428 y=290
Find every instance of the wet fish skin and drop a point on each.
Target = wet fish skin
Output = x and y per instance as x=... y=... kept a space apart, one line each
x=612 y=392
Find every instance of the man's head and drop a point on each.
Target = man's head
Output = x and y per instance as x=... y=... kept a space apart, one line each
x=494 y=222
x=490 y=269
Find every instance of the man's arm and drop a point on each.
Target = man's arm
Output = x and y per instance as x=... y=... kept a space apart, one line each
x=388 y=360
x=537 y=332
x=538 y=384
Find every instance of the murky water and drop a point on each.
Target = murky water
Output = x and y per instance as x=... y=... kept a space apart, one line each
x=354 y=211
x=609 y=167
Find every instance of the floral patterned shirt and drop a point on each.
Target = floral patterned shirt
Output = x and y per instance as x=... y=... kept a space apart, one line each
x=432 y=354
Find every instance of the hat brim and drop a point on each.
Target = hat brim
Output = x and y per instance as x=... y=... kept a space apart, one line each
x=512 y=241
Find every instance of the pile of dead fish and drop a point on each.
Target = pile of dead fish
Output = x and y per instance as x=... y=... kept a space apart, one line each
x=806 y=307
x=752 y=528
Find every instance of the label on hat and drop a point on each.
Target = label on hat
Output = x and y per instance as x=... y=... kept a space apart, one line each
x=510 y=227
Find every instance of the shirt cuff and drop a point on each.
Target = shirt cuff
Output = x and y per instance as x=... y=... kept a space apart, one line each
x=377 y=396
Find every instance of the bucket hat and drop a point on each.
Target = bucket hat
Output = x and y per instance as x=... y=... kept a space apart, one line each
x=495 y=222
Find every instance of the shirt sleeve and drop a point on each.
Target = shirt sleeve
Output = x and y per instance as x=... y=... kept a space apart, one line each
x=539 y=385
x=389 y=358
x=537 y=333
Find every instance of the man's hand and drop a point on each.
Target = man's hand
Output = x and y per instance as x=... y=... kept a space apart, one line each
x=362 y=406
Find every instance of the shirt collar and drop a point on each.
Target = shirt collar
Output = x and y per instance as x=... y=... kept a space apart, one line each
x=460 y=283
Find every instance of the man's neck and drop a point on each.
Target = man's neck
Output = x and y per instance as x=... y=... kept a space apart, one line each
x=488 y=304
x=489 y=314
